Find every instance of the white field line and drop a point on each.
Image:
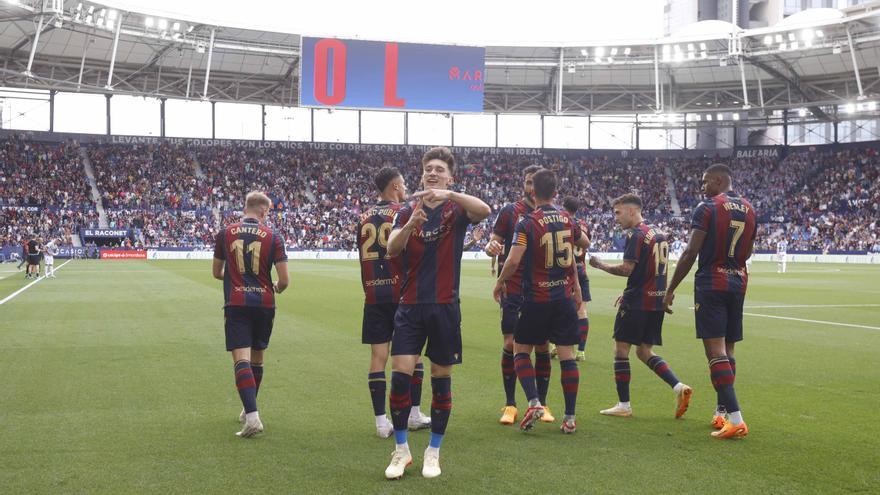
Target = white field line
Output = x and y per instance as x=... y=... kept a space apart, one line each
x=834 y=323
x=795 y=306
x=784 y=306
x=28 y=286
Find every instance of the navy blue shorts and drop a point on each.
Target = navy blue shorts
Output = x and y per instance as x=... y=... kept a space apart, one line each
x=33 y=259
x=510 y=306
x=584 y=283
x=378 y=323
x=637 y=326
x=437 y=324
x=719 y=314
x=248 y=326
x=555 y=321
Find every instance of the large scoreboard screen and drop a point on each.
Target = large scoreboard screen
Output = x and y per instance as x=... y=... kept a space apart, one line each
x=391 y=76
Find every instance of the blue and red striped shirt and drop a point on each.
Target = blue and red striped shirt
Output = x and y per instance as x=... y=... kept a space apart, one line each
x=431 y=261
x=548 y=265
x=505 y=224
x=250 y=249
x=646 y=285
x=381 y=275
x=729 y=222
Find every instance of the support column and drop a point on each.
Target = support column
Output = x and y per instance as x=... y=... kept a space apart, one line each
x=208 y=68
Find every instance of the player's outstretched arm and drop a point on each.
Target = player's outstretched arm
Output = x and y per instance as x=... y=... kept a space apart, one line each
x=476 y=209
x=283 y=277
x=622 y=270
x=685 y=262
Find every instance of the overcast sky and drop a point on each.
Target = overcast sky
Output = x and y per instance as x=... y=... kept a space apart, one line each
x=486 y=22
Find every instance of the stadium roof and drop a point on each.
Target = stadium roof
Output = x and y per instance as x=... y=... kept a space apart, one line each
x=804 y=61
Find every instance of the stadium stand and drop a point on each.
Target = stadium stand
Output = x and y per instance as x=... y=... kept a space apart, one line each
x=178 y=196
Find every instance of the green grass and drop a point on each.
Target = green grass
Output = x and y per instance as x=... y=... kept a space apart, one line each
x=117 y=381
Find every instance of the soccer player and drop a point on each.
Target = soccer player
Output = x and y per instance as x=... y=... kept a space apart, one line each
x=50 y=250
x=34 y=245
x=24 y=257
x=244 y=254
x=781 y=255
x=381 y=278
x=639 y=320
x=511 y=301
x=677 y=249
x=429 y=235
x=572 y=205
x=544 y=244
x=723 y=232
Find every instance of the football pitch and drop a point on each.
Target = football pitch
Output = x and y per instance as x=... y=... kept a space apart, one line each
x=117 y=381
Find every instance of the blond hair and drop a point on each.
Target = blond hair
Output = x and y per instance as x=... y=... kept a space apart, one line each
x=255 y=199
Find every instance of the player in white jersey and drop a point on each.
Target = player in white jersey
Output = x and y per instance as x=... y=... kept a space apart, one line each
x=677 y=249
x=781 y=255
x=50 y=250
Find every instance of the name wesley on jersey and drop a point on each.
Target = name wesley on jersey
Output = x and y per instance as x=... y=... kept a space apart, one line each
x=735 y=206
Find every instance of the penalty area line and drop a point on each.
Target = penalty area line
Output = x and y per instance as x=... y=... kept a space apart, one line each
x=28 y=286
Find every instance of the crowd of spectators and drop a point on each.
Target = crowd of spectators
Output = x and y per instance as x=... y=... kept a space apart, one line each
x=176 y=195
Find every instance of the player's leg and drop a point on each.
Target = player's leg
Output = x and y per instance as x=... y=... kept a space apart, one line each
x=406 y=346
x=784 y=262
x=247 y=391
x=441 y=406
x=402 y=367
x=530 y=332
x=508 y=378
x=583 y=332
x=570 y=378
x=622 y=375
x=377 y=383
x=564 y=331
x=723 y=380
x=525 y=373
x=417 y=419
x=377 y=327
x=542 y=378
x=653 y=335
x=510 y=306
x=444 y=350
x=247 y=328
x=627 y=332
x=734 y=427
x=583 y=319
